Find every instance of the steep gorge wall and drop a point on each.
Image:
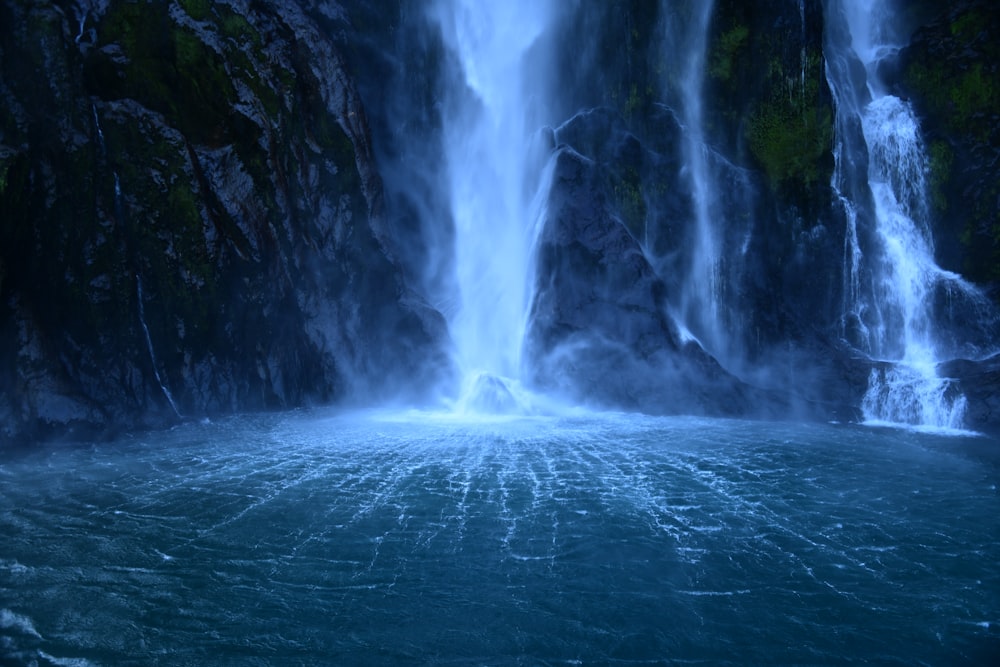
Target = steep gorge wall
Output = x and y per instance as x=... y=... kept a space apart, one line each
x=191 y=213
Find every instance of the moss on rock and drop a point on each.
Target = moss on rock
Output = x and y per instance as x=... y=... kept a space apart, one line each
x=768 y=95
x=951 y=72
x=727 y=50
x=791 y=135
x=144 y=55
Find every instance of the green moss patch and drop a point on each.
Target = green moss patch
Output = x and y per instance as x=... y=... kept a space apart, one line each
x=626 y=188
x=166 y=68
x=726 y=50
x=791 y=132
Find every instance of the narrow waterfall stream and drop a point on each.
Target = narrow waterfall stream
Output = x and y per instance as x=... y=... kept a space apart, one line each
x=701 y=308
x=149 y=341
x=139 y=296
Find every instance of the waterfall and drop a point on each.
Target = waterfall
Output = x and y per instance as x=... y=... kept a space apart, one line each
x=84 y=10
x=490 y=120
x=891 y=278
x=100 y=133
x=82 y=22
x=700 y=308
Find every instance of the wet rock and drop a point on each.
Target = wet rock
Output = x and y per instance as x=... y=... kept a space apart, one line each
x=949 y=72
x=193 y=219
x=598 y=329
x=979 y=382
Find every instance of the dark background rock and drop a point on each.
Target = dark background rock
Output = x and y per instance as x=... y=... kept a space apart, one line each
x=951 y=72
x=207 y=166
x=979 y=382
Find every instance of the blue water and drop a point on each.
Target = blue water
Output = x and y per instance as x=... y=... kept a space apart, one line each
x=414 y=539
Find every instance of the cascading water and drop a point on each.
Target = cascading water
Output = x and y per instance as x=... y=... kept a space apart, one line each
x=84 y=10
x=890 y=287
x=494 y=178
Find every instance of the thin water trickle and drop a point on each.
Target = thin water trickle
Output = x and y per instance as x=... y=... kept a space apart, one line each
x=149 y=340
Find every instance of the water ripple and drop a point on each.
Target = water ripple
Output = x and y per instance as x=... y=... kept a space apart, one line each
x=391 y=539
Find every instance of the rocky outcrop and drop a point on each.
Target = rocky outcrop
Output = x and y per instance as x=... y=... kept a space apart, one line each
x=599 y=330
x=979 y=383
x=951 y=72
x=193 y=219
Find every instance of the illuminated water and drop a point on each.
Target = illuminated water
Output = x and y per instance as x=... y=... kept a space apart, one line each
x=311 y=539
x=495 y=186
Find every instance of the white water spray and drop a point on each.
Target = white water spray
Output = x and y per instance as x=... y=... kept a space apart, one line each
x=494 y=178
x=892 y=320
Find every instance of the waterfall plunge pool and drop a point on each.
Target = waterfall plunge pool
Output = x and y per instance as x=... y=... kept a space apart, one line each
x=413 y=538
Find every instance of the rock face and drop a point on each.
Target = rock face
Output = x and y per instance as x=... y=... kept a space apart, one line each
x=598 y=329
x=601 y=329
x=979 y=382
x=951 y=72
x=192 y=219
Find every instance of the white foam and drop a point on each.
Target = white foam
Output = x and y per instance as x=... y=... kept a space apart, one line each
x=923 y=428
x=65 y=662
x=13 y=567
x=13 y=621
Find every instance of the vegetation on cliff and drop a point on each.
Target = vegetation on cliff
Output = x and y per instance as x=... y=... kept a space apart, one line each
x=193 y=215
x=951 y=71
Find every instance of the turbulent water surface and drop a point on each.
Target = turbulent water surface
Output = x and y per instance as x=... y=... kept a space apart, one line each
x=415 y=539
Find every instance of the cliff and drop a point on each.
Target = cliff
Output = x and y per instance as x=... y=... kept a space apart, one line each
x=192 y=219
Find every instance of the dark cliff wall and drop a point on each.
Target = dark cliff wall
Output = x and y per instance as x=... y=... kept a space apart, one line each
x=951 y=72
x=190 y=205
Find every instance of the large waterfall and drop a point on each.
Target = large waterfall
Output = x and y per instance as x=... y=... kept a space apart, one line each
x=499 y=89
x=495 y=191
x=892 y=280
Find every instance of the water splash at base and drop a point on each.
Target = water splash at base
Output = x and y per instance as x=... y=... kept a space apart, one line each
x=913 y=395
x=486 y=395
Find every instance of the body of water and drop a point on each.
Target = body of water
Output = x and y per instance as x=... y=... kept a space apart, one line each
x=415 y=538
